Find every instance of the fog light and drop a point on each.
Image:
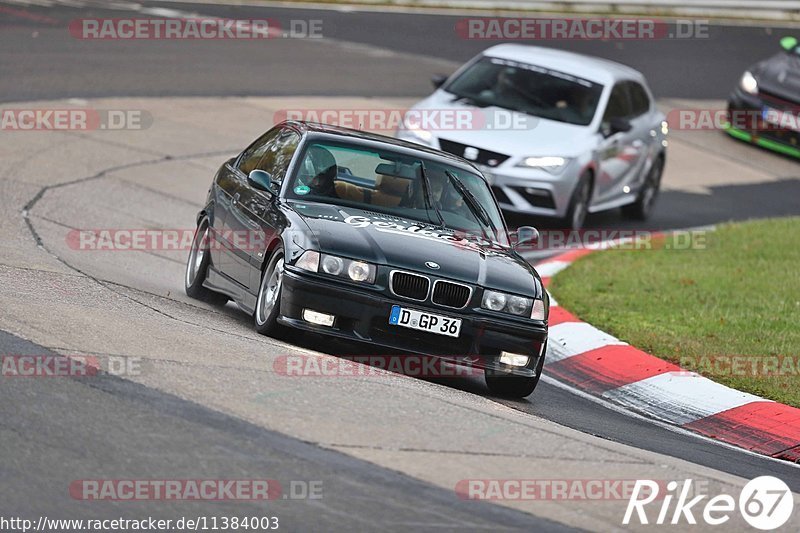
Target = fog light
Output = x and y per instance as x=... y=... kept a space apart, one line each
x=318 y=318
x=513 y=359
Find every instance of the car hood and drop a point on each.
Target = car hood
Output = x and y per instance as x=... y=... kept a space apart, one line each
x=539 y=136
x=406 y=244
x=780 y=75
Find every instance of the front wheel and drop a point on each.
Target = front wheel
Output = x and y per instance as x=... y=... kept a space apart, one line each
x=511 y=386
x=269 y=297
x=579 y=203
x=643 y=206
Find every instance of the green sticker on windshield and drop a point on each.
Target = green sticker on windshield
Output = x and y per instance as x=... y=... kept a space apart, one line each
x=302 y=189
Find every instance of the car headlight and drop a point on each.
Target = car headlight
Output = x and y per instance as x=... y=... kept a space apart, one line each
x=513 y=304
x=360 y=271
x=748 y=83
x=334 y=265
x=493 y=301
x=552 y=164
x=419 y=133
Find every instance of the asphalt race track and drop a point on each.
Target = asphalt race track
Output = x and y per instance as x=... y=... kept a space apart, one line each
x=208 y=403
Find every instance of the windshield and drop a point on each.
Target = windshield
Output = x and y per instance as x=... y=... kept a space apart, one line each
x=529 y=89
x=397 y=184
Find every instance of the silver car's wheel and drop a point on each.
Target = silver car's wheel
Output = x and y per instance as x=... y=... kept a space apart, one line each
x=643 y=206
x=579 y=203
x=269 y=297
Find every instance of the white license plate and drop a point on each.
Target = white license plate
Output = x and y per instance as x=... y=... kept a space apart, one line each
x=420 y=320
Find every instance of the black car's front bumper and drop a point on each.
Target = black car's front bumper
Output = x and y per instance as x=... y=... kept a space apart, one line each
x=745 y=123
x=363 y=315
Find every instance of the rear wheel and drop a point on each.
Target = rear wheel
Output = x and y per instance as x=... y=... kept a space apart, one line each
x=197 y=267
x=579 y=203
x=643 y=206
x=269 y=297
x=511 y=386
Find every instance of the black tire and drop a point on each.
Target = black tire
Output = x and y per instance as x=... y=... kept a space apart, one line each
x=579 y=203
x=642 y=208
x=268 y=302
x=197 y=267
x=511 y=386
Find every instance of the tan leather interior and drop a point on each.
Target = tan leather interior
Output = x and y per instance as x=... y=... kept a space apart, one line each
x=390 y=190
x=349 y=191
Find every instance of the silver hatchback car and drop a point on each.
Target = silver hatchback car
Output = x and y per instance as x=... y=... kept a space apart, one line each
x=559 y=135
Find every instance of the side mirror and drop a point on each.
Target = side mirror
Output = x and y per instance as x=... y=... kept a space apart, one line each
x=438 y=80
x=789 y=43
x=615 y=125
x=261 y=180
x=526 y=235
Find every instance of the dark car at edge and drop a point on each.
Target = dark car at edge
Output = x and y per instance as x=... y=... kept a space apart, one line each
x=764 y=109
x=374 y=240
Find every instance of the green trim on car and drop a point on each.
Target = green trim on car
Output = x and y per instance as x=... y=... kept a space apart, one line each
x=760 y=141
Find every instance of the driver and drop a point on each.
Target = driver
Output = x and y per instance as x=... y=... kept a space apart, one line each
x=322 y=184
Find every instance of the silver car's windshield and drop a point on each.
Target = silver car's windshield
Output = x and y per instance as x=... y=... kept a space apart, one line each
x=398 y=184
x=529 y=89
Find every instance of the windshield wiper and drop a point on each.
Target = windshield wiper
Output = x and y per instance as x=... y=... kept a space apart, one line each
x=474 y=205
x=426 y=186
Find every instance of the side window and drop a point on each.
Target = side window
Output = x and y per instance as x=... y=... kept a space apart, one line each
x=253 y=154
x=278 y=154
x=618 y=104
x=639 y=99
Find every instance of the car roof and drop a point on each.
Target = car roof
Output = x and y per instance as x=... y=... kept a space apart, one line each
x=582 y=66
x=367 y=137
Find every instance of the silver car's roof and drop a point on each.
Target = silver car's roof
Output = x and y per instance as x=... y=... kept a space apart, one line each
x=587 y=67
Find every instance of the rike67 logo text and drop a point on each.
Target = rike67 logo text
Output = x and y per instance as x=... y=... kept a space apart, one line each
x=766 y=503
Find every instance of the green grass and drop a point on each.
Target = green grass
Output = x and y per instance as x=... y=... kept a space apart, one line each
x=729 y=310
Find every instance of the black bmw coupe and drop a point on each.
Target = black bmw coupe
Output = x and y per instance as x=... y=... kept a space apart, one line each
x=373 y=239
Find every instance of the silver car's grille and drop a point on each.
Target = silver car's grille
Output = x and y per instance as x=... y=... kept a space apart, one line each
x=483 y=157
x=409 y=285
x=451 y=294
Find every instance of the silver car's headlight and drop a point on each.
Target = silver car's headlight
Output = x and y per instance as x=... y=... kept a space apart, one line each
x=421 y=134
x=552 y=164
x=513 y=304
x=334 y=265
x=748 y=83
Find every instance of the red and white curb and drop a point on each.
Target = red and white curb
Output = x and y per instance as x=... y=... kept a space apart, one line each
x=599 y=364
